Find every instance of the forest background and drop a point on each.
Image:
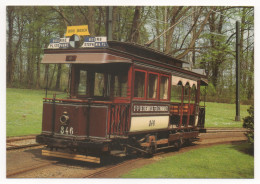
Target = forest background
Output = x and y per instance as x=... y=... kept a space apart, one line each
x=203 y=36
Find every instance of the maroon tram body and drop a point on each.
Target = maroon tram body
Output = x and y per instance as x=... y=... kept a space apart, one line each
x=125 y=98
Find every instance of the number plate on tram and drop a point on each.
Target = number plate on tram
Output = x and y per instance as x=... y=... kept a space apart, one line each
x=66 y=130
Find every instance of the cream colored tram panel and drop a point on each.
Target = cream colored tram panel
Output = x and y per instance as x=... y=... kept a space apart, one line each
x=149 y=123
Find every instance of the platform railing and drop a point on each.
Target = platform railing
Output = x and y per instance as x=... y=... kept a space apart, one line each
x=119 y=119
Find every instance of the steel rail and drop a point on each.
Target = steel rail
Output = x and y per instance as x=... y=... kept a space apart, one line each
x=107 y=169
x=16 y=147
x=8 y=175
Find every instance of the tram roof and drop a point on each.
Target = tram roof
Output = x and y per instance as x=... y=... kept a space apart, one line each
x=100 y=55
x=144 y=51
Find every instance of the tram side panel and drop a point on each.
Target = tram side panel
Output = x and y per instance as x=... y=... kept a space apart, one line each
x=74 y=120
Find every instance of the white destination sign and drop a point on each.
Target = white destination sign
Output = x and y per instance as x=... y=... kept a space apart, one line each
x=91 y=42
x=57 y=43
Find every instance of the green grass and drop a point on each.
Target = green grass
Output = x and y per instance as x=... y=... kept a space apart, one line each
x=222 y=161
x=223 y=115
x=24 y=111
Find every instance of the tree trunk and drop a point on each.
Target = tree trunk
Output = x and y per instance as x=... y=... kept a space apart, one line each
x=215 y=74
x=46 y=75
x=114 y=23
x=99 y=21
x=250 y=93
x=157 y=14
x=10 y=59
x=57 y=86
x=52 y=76
x=175 y=17
x=21 y=66
x=134 y=33
x=38 y=71
x=91 y=18
x=30 y=69
x=242 y=60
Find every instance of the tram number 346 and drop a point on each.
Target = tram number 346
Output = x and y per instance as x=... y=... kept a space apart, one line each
x=66 y=130
x=151 y=123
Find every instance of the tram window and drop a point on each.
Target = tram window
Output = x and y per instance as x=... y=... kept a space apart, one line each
x=82 y=87
x=176 y=93
x=164 y=85
x=99 y=85
x=139 y=84
x=120 y=85
x=152 y=86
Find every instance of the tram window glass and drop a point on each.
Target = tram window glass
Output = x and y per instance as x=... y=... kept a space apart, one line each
x=164 y=85
x=82 y=87
x=139 y=84
x=193 y=94
x=120 y=85
x=99 y=84
x=152 y=86
x=176 y=93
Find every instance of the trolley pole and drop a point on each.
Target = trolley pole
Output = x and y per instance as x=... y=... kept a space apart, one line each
x=237 y=118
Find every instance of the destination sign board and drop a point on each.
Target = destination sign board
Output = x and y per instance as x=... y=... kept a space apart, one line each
x=57 y=43
x=78 y=30
x=140 y=108
x=74 y=40
x=91 y=42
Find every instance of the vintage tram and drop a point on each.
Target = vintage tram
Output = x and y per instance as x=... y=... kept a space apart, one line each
x=123 y=99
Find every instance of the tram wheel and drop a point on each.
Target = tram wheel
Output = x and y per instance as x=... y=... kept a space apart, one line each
x=150 y=151
x=177 y=145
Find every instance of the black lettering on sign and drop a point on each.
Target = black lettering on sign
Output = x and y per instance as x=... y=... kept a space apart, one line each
x=150 y=108
x=151 y=123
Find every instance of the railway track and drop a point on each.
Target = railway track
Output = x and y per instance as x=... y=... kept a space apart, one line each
x=109 y=168
x=16 y=143
x=27 y=169
x=213 y=137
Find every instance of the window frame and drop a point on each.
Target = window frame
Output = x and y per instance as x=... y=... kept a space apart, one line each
x=145 y=84
x=87 y=84
x=159 y=75
x=76 y=79
x=113 y=83
x=169 y=87
x=158 y=87
x=105 y=76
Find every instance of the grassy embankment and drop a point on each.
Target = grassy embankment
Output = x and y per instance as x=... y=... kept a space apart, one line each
x=223 y=115
x=24 y=112
x=222 y=161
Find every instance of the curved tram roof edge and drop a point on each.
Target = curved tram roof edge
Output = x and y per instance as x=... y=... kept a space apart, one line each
x=83 y=58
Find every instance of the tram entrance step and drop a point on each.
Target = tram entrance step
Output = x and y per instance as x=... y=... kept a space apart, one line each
x=71 y=156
